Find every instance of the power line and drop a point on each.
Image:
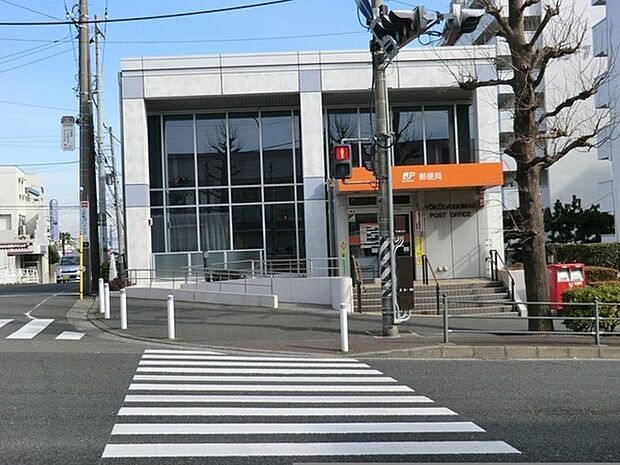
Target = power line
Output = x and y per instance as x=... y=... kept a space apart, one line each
x=51 y=163
x=237 y=39
x=33 y=105
x=16 y=5
x=32 y=50
x=35 y=61
x=145 y=18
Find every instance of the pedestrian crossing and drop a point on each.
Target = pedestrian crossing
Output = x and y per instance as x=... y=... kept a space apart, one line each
x=186 y=405
x=13 y=329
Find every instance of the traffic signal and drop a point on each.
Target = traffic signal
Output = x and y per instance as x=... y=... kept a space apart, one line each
x=343 y=165
x=461 y=21
x=395 y=29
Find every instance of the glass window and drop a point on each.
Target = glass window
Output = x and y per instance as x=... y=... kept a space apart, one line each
x=184 y=197
x=246 y=195
x=247 y=227
x=563 y=276
x=277 y=132
x=409 y=143
x=211 y=150
x=243 y=141
x=280 y=231
x=211 y=196
x=279 y=194
x=180 y=151
x=297 y=141
x=439 y=131
x=154 y=134
x=367 y=130
x=183 y=230
x=576 y=275
x=214 y=228
x=157 y=198
x=301 y=230
x=157 y=230
x=342 y=124
x=464 y=119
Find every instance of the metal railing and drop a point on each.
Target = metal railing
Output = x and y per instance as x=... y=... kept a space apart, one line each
x=595 y=318
x=495 y=258
x=426 y=266
x=294 y=267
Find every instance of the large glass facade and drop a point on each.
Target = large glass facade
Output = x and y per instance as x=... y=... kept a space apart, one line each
x=227 y=181
x=424 y=134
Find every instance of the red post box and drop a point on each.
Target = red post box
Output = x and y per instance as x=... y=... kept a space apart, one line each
x=564 y=276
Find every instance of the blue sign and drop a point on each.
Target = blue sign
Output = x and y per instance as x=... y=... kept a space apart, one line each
x=54 y=231
x=365 y=8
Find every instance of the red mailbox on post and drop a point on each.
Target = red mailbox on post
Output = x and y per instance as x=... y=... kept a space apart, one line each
x=564 y=276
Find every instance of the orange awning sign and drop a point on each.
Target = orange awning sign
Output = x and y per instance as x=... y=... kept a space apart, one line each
x=418 y=177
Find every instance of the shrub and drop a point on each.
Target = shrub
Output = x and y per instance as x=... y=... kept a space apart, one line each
x=590 y=294
x=600 y=273
x=603 y=254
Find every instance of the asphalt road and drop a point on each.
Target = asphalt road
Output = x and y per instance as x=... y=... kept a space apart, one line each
x=59 y=399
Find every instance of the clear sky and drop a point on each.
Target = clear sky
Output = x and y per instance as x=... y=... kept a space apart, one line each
x=38 y=64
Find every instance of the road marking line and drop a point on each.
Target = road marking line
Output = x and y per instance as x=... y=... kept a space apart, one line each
x=241 y=358
x=259 y=371
x=5 y=322
x=268 y=379
x=308 y=449
x=215 y=363
x=180 y=351
x=283 y=412
x=281 y=399
x=70 y=336
x=28 y=313
x=294 y=428
x=267 y=388
x=30 y=329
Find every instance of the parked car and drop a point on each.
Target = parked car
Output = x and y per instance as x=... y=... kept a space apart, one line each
x=68 y=269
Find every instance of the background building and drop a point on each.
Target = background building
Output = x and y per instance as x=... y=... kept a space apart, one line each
x=24 y=228
x=585 y=175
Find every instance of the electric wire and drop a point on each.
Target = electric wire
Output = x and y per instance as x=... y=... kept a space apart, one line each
x=33 y=105
x=34 y=62
x=147 y=18
x=30 y=9
x=31 y=51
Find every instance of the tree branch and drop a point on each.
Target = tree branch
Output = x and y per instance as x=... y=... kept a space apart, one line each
x=546 y=54
x=496 y=11
x=551 y=11
x=569 y=102
x=473 y=84
x=528 y=3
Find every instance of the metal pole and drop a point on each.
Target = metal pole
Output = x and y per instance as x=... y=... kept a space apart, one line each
x=106 y=293
x=170 y=314
x=101 y=297
x=87 y=151
x=384 y=200
x=103 y=221
x=344 y=328
x=119 y=214
x=123 y=302
x=445 y=318
x=82 y=267
x=597 y=324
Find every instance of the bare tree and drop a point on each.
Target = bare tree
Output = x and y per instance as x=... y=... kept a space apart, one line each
x=543 y=136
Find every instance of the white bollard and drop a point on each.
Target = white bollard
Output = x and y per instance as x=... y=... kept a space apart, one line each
x=106 y=293
x=101 y=297
x=344 y=328
x=170 y=317
x=123 y=309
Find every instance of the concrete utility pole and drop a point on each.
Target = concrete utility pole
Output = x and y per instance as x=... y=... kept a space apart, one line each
x=384 y=199
x=88 y=195
x=103 y=221
x=120 y=233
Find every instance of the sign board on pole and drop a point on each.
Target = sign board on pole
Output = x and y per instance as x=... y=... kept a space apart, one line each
x=54 y=231
x=67 y=137
x=365 y=8
x=84 y=220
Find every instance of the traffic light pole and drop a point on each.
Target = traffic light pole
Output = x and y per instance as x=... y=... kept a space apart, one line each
x=384 y=199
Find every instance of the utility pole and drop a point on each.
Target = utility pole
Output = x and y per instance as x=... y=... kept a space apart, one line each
x=88 y=195
x=120 y=234
x=103 y=221
x=383 y=173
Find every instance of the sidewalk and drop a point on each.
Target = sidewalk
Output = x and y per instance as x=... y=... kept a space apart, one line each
x=317 y=331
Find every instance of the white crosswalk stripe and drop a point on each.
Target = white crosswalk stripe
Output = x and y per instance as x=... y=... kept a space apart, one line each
x=35 y=327
x=347 y=408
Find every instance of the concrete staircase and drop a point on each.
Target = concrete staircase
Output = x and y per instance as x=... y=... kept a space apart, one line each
x=469 y=291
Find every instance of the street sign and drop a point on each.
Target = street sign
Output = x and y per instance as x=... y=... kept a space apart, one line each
x=84 y=220
x=365 y=8
x=67 y=137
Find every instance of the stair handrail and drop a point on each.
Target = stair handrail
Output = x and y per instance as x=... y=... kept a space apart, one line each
x=426 y=265
x=494 y=258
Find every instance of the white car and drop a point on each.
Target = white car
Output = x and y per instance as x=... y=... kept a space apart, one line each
x=68 y=269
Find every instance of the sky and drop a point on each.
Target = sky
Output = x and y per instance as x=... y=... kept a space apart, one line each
x=38 y=64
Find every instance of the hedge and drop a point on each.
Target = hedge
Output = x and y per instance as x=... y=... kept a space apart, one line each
x=590 y=294
x=596 y=274
x=603 y=254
